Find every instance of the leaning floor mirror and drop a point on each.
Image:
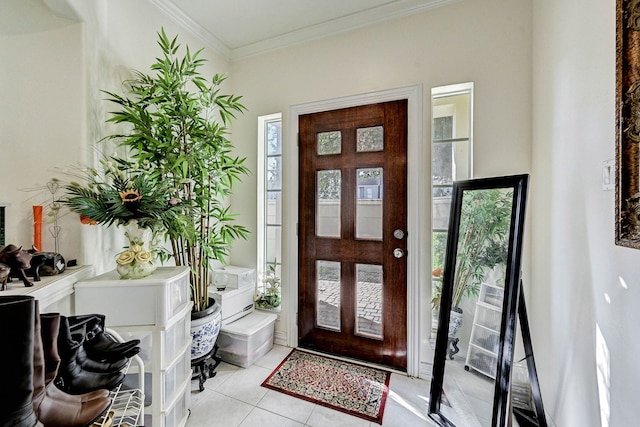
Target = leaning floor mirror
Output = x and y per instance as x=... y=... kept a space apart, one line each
x=478 y=305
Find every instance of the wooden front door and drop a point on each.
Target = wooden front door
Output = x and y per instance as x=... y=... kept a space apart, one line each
x=352 y=233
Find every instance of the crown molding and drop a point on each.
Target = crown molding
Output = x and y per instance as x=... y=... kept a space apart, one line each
x=375 y=15
x=175 y=13
x=336 y=26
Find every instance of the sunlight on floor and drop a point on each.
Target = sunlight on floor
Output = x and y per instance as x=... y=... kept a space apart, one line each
x=235 y=398
x=604 y=377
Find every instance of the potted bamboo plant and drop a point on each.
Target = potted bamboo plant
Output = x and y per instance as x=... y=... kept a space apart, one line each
x=178 y=129
x=485 y=219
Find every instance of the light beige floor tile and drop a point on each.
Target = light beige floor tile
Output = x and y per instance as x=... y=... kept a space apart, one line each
x=397 y=415
x=218 y=411
x=273 y=359
x=324 y=417
x=260 y=417
x=411 y=393
x=224 y=371
x=244 y=384
x=288 y=406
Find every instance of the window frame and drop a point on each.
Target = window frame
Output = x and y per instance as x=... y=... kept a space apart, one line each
x=262 y=194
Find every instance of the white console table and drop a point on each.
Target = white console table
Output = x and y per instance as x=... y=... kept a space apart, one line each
x=157 y=311
x=54 y=293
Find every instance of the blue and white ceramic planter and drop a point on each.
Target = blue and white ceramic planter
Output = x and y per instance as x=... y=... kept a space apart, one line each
x=455 y=323
x=205 y=327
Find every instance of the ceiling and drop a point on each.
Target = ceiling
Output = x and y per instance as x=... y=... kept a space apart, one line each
x=241 y=28
x=235 y=28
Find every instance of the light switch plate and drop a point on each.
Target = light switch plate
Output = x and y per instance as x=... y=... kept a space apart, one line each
x=608 y=174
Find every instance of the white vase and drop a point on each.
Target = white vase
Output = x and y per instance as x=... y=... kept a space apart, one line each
x=138 y=259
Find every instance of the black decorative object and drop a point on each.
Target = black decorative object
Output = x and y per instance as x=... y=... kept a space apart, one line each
x=205 y=367
x=498 y=355
x=18 y=260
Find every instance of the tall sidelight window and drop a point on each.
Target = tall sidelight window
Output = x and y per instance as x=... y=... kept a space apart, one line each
x=269 y=231
x=451 y=160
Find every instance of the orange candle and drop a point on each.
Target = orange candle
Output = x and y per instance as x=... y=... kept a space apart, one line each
x=37 y=227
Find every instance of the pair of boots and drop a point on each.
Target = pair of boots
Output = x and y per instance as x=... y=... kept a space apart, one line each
x=90 y=359
x=30 y=361
x=25 y=396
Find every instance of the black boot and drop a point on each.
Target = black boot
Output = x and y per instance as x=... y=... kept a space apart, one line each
x=92 y=365
x=100 y=346
x=71 y=377
x=16 y=361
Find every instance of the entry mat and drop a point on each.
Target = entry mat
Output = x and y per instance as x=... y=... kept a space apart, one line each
x=348 y=387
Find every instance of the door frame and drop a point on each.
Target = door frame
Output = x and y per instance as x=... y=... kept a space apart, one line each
x=416 y=220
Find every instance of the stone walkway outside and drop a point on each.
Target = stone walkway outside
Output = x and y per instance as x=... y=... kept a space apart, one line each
x=369 y=321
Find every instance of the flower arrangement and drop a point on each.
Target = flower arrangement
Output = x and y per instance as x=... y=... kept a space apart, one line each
x=120 y=191
x=124 y=193
x=269 y=294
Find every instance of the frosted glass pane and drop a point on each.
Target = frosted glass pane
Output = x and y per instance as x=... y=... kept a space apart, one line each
x=274 y=173
x=274 y=138
x=329 y=142
x=274 y=207
x=370 y=139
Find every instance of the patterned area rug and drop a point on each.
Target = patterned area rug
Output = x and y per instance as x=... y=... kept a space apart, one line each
x=355 y=389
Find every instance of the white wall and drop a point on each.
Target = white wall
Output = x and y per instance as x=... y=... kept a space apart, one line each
x=486 y=42
x=582 y=282
x=42 y=114
x=52 y=111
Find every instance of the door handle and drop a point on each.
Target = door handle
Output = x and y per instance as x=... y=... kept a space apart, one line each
x=398 y=253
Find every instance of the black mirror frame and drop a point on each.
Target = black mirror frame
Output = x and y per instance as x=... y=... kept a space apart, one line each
x=502 y=390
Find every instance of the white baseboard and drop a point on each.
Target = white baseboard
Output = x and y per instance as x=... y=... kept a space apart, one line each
x=426 y=369
x=280 y=338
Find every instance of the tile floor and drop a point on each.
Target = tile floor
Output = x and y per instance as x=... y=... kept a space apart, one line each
x=234 y=398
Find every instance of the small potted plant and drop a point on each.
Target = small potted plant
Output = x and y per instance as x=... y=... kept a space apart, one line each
x=268 y=295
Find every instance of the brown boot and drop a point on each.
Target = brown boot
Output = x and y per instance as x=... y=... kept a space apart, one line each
x=53 y=407
x=49 y=328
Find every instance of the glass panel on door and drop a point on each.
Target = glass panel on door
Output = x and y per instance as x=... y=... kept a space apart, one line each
x=329 y=142
x=369 y=204
x=328 y=295
x=328 y=203
x=369 y=300
x=370 y=139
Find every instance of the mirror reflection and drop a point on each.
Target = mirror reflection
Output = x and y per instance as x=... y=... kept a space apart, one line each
x=475 y=380
x=476 y=306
